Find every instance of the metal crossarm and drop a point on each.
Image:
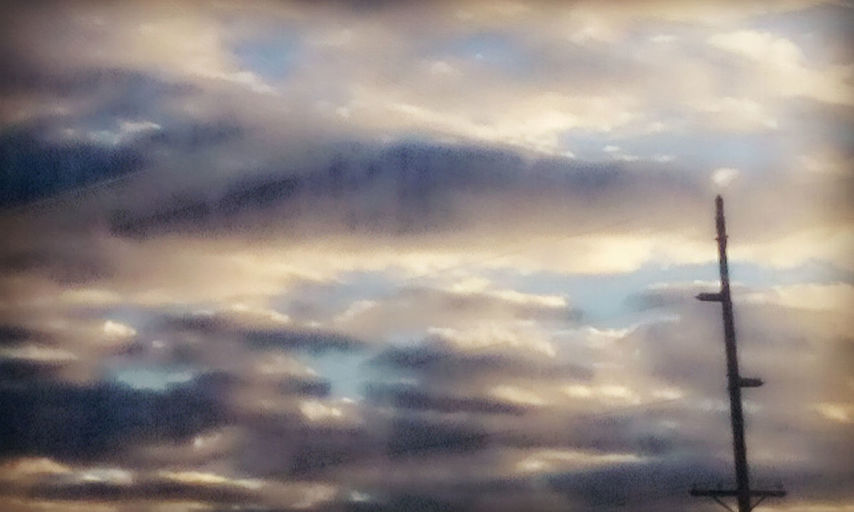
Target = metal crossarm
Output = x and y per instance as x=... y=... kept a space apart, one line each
x=721 y=493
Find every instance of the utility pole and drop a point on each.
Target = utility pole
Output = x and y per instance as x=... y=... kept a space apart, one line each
x=743 y=494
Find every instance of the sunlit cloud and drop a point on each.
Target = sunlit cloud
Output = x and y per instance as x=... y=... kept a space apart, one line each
x=420 y=256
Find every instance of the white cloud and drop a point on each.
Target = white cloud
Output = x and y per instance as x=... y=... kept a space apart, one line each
x=663 y=38
x=32 y=466
x=552 y=460
x=108 y=475
x=738 y=114
x=820 y=297
x=533 y=120
x=90 y=296
x=842 y=413
x=826 y=243
x=315 y=411
x=517 y=395
x=494 y=337
x=778 y=66
x=203 y=478
x=118 y=330
x=759 y=46
x=37 y=353
x=125 y=131
x=132 y=127
x=441 y=67
x=724 y=176
x=600 y=392
x=827 y=161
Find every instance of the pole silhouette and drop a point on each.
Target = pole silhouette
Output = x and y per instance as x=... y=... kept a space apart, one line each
x=735 y=382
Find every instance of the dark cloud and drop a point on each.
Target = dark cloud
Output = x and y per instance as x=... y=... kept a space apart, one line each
x=258 y=194
x=150 y=490
x=317 y=450
x=410 y=436
x=647 y=300
x=14 y=371
x=404 y=396
x=409 y=502
x=63 y=258
x=221 y=383
x=307 y=387
x=639 y=486
x=184 y=212
x=419 y=301
x=187 y=136
x=438 y=361
x=122 y=92
x=254 y=508
x=287 y=337
x=664 y=482
x=71 y=422
x=33 y=167
x=305 y=339
x=404 y=189
x=14 y=334
x=262 y=508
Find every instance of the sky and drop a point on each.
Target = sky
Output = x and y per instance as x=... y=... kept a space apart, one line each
x=422 y=256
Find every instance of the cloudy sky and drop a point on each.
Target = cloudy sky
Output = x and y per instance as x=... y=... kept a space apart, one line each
x=421 y=256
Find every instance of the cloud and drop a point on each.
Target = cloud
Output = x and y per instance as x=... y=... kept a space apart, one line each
x=409 y=397
x=261 y=336
x=165 y=491
x=647 y=484
x=810 y=296
x=37 y=168
x=68 y=422
x=21 y=370
x=450 y=205
x=11 y=335
x=414 y=436
x=118 y=329
x=37 y=353
x=443 y=311
x=785 y=64
x=290 y=256
x=723 y=176
x=739 y=114
x=443 y=362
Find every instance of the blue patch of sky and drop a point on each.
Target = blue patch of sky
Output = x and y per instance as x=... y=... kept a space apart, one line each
x=156 y=378
x=346 y=372
x=272 y=56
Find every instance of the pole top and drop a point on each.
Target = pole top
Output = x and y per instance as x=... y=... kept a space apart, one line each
x=719 y=215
